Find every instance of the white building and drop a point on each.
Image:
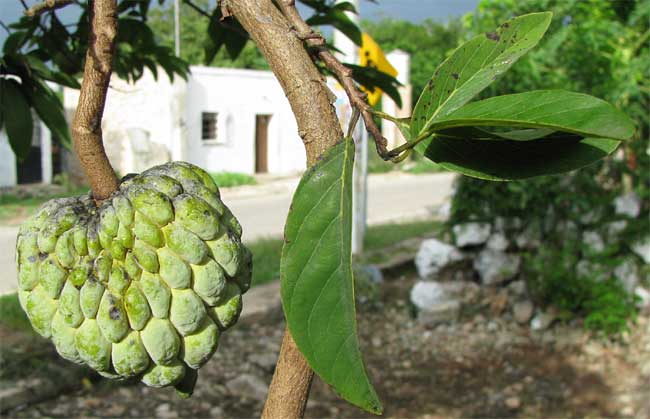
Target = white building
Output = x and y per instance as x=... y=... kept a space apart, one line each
x=224 y=120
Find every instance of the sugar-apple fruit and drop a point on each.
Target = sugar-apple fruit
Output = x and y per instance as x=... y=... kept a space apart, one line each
x=141 y=286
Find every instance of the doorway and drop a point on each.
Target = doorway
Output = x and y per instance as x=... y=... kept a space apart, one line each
x=262 y=143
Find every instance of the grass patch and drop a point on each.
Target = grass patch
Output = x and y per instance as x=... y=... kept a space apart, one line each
x=266 y=260
x=380 y=236
x=12 y=315
x=18 y=207
x=229 y=179
x=421 y=166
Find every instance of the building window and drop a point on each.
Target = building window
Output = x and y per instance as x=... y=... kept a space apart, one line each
x=209 y=126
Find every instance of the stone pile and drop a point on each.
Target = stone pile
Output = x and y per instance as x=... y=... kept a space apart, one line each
x=489 y=255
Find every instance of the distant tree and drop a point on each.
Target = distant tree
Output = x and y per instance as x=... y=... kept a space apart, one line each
x=195 y=39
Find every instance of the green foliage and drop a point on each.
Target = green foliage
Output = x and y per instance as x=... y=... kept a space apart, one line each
x=318 y=294
x=229 y=179
x=553 y=278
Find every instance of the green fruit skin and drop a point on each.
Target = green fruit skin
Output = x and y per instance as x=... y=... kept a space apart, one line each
x=173 y=270
x=136 y=307
x=196 y=216
x=63 y=337
x=185 y=244
x=209 y=281
x=92 y=346
x=200 y=345
x=129 y=356
x=164 y=375
x=111 y=318
x=227 y=312
x=157 y=293
x=161 y=341
x=69 y=307
x=226 y=250
x=187 y=311
x=90 y=297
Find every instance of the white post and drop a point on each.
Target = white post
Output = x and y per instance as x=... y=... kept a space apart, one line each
x=349 y=53
x=400 y=60
x=46 y=153
x=177 y=27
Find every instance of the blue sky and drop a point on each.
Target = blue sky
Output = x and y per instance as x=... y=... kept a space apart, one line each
x=413 y=10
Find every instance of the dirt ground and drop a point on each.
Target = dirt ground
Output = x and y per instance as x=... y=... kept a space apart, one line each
x=478 y=367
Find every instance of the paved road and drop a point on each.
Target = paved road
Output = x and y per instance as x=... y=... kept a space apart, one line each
x=262 y=210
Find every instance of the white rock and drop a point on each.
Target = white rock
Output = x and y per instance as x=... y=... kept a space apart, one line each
x=435 y=302
x=435 y=255
x=495 y=266
x=594 y=241
x=529 y=238
x=644 y=296
x=616 y=227
x=642 y=248
x=372 y=272
x=522 y=311
x=425 y=294
x=513 y=403
x=499 y=224
x=627 y=274
x=590 y=217
x=444 y=211
x=628 y=204
x=497 y=241
x=588 y=269
x=542 y=320
x=518 y=287
x=471 y=234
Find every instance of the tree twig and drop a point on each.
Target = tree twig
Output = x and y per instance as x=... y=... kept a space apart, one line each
x=319 y=128
x=46 y=5
x=357 y=98
x=86 y=126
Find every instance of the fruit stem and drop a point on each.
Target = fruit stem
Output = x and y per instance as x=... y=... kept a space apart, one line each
x=86 y=125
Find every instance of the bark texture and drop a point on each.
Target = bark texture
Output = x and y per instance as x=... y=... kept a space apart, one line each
x=318 y=126
x=87 y=122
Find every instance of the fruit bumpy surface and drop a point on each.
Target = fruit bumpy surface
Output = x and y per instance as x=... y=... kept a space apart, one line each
x=141 y=286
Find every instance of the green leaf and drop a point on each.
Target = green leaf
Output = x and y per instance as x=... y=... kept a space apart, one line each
x=337 y=18
x=50 y=109
x=316 y=277
x=370 y=78
x=475 y=65
x=511 y=160
x=477 y=133
x=557 y=110
x=563 y=131
x=15 y=41
x=39 y=67
x=17 y=117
